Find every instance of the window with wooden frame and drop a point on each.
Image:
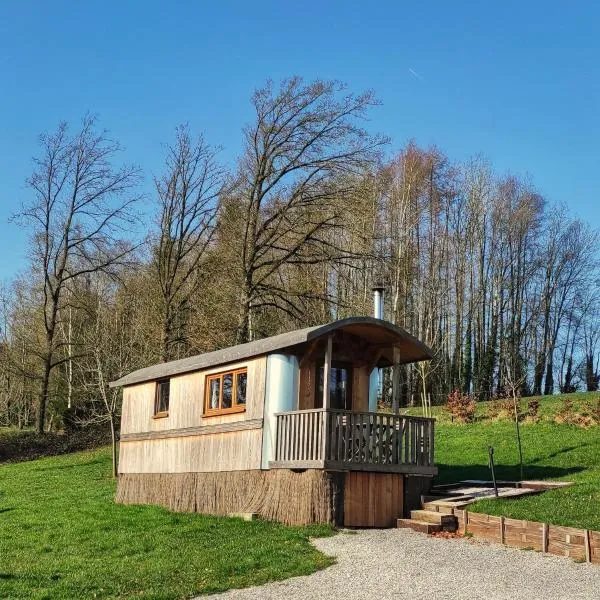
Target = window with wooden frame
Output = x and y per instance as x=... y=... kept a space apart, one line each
x=226 y=392
x=161 y=398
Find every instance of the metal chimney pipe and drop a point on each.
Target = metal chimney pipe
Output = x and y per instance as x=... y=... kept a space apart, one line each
x=378 y=291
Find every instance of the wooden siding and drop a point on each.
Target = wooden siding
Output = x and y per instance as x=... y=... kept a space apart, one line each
x=373 y=499
x=186 y=403
x=307 y=388
x=360 y=389
x=187 y=440
x=231 y=451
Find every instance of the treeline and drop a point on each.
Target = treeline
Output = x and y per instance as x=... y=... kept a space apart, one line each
x=499 y=282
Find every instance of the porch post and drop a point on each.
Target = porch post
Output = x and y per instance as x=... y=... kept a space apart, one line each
x=396 y=382
x=327 y=371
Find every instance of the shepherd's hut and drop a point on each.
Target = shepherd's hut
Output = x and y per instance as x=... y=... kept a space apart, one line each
x=285 y=427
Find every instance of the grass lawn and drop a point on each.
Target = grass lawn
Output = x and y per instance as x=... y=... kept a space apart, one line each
x=550 y=451
x=61 y=536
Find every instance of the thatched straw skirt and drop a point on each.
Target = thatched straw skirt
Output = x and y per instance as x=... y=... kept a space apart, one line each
x=311 y=496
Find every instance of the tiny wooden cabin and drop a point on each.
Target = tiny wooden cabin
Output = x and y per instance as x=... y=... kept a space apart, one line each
x=286 y=427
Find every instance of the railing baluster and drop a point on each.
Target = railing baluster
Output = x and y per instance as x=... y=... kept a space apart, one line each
x=395 y=440
x=324 y=436
x=431 y=443
x=309 y=434
x=414 y=442
x=383 y=420
x=405 y=435
x=278 y=433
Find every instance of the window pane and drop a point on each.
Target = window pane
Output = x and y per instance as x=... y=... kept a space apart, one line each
x=227 y=390
x=339 y=388
x=213 y=399
x=162 y=402
x=240 y=393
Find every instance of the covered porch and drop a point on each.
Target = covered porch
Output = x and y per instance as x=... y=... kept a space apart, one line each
x=334 y=423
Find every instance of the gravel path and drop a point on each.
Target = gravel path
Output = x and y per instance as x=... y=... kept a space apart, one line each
x=396 y=563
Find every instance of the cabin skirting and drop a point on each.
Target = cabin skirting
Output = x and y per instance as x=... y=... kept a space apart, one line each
x=279 y=495
x=354 y=499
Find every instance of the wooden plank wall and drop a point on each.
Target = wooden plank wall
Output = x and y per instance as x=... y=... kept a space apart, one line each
x=373 y=499
x=186 y=402
x=579 y=544
x=183 y=451
x=360 y=389
x=232 y=451
x=307 y=388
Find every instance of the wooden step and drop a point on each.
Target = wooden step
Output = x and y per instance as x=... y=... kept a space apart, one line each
x=444 y=506
x=447 y=522
x=420 y=526
x=435 y=507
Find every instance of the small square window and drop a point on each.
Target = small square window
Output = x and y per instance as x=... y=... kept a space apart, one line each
x=161 y=400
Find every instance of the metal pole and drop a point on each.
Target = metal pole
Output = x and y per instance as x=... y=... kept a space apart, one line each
x=491 y=466
x=327 y=371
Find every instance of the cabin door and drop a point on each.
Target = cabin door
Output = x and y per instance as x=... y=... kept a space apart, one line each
x=340 y=386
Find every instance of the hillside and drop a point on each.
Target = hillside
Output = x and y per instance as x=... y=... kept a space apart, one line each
x=550 y=451
x=63 y=537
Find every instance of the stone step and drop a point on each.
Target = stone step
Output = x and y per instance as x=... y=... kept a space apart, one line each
x=447 y=522
x=420 y=526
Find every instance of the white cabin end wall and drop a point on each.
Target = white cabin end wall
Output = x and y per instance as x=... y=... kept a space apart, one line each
x=373 y=389
x=281 y=395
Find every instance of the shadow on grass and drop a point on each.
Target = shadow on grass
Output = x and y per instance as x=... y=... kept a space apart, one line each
x=71 y=466
x=454 y=473
x=561 y=451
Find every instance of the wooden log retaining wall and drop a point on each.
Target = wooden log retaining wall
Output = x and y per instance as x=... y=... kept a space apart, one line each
x=579 y=544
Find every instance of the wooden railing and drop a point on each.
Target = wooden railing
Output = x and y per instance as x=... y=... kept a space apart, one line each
x=341 y=439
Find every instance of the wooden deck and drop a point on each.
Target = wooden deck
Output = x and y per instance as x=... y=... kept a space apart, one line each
x=341 y=440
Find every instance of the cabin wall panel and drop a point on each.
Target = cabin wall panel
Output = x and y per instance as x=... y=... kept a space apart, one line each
x=186 y=402
x=306 y=399
x=231 y=451
x=360 y=389
x=373 y=499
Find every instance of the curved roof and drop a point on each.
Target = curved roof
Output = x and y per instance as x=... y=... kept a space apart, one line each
x=376 y=331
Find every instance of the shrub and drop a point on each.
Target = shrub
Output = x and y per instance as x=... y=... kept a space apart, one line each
x=566 y=411
x=533 y=410
x=27 y=445
x=493 y=409
x=461 y=406
x=504 y=409
x=596 y=412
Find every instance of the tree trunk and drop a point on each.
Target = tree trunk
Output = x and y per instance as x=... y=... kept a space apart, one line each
x=591 y=378
x=43 y=399
x=549 y=382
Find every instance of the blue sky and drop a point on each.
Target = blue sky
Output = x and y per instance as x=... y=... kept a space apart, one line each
x=516 y=81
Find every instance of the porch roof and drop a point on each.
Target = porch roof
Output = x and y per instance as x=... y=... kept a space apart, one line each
x=373 y=331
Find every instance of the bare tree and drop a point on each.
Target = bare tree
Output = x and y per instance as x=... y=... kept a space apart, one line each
x=188 y=199
x=79 y=207
x=514 y=384
x=301 y=156
x=111 y=349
